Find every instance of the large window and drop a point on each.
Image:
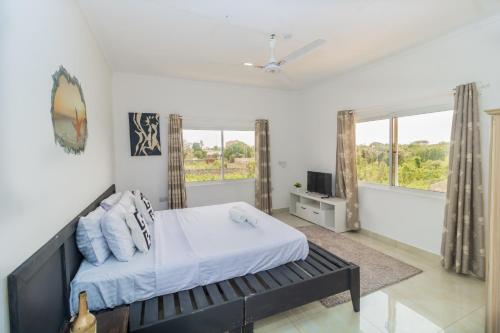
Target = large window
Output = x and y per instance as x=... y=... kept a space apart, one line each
x=407 y=151
x=216 y=155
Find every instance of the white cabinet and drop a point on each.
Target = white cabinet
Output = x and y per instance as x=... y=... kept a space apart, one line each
x=326 y=212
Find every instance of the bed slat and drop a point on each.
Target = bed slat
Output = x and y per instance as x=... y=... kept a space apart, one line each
x=264 y=275
x=311 y=261
x=299 y=271
x=228 y=290
x=339 y=262
x=243 y=286
x=150 y=310
x=169 y=306
x=308 y=268
x=288 y=273
x=278 y=276
x=135 y=315
x=200 y=297
x=214 y=293
x=185 y=302
x=323 y=261
x=254 y=283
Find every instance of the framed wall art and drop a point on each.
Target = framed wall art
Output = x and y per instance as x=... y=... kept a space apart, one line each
x=144 y=129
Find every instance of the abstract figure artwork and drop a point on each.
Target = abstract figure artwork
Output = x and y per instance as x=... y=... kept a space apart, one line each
x=69 y=112
x=144 y=134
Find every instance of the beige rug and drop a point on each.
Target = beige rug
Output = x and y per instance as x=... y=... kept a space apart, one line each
x=377 y=270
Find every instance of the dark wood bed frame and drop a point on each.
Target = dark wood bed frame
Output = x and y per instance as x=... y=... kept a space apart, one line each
x=39 y=291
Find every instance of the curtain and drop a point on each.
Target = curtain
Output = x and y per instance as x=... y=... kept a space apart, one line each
x=176 y=182
x=263 y=200
x=463 y=246
x=346 y=185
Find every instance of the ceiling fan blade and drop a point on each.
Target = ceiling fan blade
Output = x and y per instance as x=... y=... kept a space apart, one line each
x=301 y=52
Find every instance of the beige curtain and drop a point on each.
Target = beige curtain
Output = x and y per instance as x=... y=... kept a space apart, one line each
x=263 y=200
x=346 y=185
x=463 y=247
x=176 y=182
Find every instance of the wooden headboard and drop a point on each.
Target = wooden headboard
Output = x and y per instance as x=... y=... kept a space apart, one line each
x=39 y=289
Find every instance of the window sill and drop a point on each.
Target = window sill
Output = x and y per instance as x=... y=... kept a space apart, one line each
x=221 y=182
x=402 y=190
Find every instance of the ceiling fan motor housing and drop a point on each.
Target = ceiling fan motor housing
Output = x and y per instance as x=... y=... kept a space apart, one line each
x=272 y=68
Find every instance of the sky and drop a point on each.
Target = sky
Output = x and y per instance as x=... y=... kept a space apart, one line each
x=67 y=99
x=433 y=127
x=212 y=138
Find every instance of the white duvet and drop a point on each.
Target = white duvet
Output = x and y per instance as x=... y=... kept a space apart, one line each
x=191 y=247
x=227 y=249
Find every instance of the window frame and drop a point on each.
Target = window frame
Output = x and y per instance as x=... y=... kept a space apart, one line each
x=220 y=129
x=392 y=185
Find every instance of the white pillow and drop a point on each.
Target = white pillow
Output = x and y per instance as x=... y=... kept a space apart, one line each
x=127 y=202
x=117 y=233
x=144 y=206
x=140 y=231
x=111 y=201
x=89 y=237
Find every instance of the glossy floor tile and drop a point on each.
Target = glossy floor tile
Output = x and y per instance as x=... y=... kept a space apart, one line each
x=433 y=301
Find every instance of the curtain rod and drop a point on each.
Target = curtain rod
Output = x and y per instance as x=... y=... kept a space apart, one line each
x=407 y=104
x=216 y=118
x=480 y=86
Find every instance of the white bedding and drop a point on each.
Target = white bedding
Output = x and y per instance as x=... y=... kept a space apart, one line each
x=146 y=275
x=226 y=249
x=191 y=247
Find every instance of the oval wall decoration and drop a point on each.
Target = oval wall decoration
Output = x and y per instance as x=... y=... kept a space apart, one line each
x=69 y=112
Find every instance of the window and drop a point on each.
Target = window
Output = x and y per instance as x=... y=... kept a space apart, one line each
x=239 y=154
x=216 y=155
x=422 y=151
x=372 y=151
x=407 y=151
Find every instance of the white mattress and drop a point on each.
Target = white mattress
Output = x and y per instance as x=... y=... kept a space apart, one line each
x=191 y=247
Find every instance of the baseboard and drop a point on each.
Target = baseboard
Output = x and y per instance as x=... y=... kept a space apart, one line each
x=410 y=248
x=280 y=210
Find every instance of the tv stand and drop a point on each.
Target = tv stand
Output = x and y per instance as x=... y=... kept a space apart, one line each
x=327 y=212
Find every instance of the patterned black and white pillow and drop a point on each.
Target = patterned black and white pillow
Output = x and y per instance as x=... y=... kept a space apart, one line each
x=144 y=206
x=139 y=230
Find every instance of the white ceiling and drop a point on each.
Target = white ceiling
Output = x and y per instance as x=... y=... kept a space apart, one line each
x=210 y=39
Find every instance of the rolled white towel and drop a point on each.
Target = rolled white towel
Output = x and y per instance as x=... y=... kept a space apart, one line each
x=241 y=215
x=236 y=215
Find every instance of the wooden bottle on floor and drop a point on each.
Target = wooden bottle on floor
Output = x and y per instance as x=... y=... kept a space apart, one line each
x=85 y=322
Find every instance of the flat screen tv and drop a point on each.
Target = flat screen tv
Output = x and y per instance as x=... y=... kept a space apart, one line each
x=319 y=182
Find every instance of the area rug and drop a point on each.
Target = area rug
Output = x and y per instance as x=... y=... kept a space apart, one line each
x=377 y=270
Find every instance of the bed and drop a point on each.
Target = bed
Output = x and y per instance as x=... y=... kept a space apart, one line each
x=191 y=247
x=183 y=292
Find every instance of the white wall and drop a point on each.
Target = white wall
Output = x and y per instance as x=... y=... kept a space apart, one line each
x=42 y=187
x=419 y=77
x=207 y=104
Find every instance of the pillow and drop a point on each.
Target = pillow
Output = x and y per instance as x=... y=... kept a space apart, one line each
x=144 y=206
x=117 y=233
x=127 y=202
x=111 y=201
x=140 y=231
x=89 y=237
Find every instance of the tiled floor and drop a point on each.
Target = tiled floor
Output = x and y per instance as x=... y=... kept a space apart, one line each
x=433 y=301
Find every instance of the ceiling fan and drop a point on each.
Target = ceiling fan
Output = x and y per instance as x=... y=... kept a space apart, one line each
x=274 y=66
